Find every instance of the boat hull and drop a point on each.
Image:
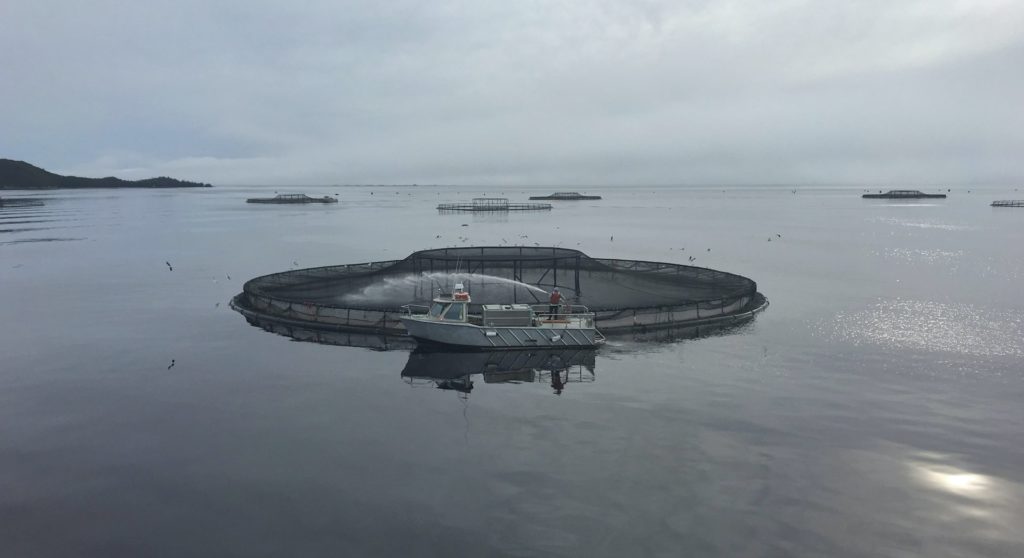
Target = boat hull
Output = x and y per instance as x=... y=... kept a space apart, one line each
x=461 y=334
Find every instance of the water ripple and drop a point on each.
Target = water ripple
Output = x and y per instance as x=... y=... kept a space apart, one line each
x=24 y=240
x=921 y=224
x=925 y=256
x=931 y=326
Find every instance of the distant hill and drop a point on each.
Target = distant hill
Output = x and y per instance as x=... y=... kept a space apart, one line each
x=19 y=175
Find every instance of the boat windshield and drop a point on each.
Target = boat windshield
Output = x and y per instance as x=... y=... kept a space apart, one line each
x=455 y=312
x=436 y=309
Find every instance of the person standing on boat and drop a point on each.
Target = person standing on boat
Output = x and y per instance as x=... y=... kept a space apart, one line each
x=556 y=298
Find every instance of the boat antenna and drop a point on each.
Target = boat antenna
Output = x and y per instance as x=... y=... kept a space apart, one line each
x=458 y=265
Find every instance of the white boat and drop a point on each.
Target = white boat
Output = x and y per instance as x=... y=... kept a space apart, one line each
x=500 y=326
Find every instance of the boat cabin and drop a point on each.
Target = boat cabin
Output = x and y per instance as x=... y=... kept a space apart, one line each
x=448 y=310
x=451 y=308
x=455 y=308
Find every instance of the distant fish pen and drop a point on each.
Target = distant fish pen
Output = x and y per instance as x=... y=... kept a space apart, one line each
x=292 y=198
x=491 y=204
x=1008 y=203
x=626 y=295
x=902 y=195
x=566 y=196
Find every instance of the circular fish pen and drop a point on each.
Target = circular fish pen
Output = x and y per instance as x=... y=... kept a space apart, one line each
x=623 y=294
x=483 y=205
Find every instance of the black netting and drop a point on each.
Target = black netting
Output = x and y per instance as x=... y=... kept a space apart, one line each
x=623 y=292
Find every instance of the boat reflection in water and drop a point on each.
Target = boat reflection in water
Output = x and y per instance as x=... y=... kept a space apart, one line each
x=341 y=338
x=618 y=341
x=454 y=370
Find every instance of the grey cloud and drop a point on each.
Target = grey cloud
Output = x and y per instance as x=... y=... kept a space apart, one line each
x=533 y=92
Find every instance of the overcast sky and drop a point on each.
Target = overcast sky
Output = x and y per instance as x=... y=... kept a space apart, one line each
x=517 y=92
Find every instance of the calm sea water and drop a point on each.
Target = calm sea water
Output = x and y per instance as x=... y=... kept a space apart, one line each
x=875 y=409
